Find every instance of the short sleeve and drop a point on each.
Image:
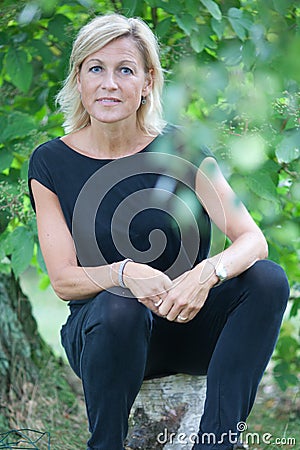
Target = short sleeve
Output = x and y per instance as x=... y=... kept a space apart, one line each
x=39 y=169
x=206 y=152
x=179 y=142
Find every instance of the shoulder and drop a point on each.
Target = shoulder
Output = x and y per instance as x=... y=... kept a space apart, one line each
x=188 y=142
x=46 y=149
x=45 y=159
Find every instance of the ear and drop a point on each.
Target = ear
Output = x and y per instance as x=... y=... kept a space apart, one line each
x=78 y=81
x=148 y=83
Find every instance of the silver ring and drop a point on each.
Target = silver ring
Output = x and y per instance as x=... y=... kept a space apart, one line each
x=157 y=304
x=182 y=318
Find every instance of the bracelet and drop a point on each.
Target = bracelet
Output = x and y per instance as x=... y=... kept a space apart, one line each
x=212 y=265
x=111 y=270
x=203 y=282
x=121 y=270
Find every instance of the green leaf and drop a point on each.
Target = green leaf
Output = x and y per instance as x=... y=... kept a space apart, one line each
x=282 y=6
x=235 y=17
x=42 y=50
x=57 y=27
x=6 y=158
x=24 y=170
x=230 y=51
x=40 y=260
x=289 y=148
x=283 y=377
x=218 y=27
x=197 y=41
x=4 y=38
x=1 y=61
x=16 y=125
x=262 y=185
x=22 y=243
x=213 y=8
x=153 y=3
x=172 y=7
x=4 y=221
x=295 y=307
x=44 y=282
x=235 y=13
x=5 y=244
x=163 y=27
x=248 y=54
x=187 y=23
x=19 y=68
x=129 y=7
x=192 y=6
x=287 y=347
x=201 y=39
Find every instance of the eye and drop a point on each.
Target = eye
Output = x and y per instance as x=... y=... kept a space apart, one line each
x=126 y=71
x=95 y=69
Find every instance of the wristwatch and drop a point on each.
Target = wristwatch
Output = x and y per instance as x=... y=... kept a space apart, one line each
x=221 y=273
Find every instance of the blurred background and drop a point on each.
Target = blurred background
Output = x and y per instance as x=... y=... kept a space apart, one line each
x=232 y=70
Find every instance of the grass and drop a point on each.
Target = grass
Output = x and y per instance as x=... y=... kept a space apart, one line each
x=275 y=418
x=52 y=404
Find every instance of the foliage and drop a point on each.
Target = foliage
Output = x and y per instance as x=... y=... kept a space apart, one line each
x=233 y=72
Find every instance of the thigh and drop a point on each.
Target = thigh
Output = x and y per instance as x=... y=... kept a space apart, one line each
x=188 y=347
x=107 y=314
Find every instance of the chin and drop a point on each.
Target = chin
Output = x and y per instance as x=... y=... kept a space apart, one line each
x=111 y=120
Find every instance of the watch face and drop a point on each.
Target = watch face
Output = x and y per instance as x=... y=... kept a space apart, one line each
x=221 y=272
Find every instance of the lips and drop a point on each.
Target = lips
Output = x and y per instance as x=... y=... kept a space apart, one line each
x=108 y=100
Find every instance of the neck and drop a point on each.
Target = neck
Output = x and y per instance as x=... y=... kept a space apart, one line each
x=115 y=140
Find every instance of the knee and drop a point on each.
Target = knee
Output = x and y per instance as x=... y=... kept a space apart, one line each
x=117 y=314
x=270 y=283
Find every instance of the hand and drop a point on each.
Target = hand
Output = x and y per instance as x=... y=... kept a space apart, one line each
x=150 y=286
x=188 y=294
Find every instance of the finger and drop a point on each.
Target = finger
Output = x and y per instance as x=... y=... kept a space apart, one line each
x=182 y=318
x=166 y=306
x=158 y=303
x=174 y=313
x=148 y=302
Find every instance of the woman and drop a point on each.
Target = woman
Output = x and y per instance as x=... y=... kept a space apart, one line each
x=122 y=245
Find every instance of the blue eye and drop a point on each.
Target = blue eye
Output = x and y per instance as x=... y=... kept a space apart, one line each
x=95 y=69
x=126 y=70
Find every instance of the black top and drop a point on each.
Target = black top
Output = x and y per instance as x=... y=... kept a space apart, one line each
x=141 y=206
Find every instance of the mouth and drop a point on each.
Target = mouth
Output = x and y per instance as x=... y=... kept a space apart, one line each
x=108 y=100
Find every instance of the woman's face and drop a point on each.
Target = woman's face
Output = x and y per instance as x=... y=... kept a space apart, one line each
x=113 y=80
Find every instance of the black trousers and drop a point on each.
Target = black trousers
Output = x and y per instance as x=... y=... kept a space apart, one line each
x=114 y=342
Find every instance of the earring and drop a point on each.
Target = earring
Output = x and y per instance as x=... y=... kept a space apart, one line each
x=144 y=100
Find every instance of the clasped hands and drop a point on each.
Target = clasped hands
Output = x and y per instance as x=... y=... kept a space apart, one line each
x=176 y=300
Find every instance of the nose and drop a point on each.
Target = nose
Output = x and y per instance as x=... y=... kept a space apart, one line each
x=109 y=81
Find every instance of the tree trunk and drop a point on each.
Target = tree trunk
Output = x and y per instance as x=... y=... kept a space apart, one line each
x=166 y=414
x=22 y=350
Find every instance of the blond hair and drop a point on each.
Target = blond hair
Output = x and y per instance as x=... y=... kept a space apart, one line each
x=91 y=38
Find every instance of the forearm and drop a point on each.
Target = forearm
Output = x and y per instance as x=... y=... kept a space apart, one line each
x=191 y=289
x=77 y=283
x=242 y=253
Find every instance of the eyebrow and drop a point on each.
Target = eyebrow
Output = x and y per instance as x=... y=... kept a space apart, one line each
x=125 y=61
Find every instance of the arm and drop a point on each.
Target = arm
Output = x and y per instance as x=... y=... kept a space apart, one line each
x=232 y=218
x=72 y=282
